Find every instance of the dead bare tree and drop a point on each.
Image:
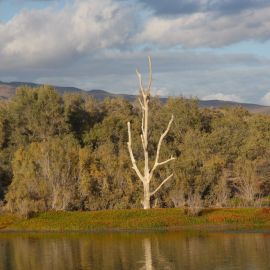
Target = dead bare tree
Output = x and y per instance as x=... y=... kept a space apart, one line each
x=148 y=173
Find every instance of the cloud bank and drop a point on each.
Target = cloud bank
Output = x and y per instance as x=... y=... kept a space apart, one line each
x=47 y=36
x=176 y=7
x=88 y=27
x=207 y=29
x=98 y=44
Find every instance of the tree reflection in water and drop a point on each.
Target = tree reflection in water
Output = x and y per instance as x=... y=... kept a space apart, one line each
x=154 y=251
x=147 y=254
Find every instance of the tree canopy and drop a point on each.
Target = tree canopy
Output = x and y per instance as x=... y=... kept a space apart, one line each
x=70 y=152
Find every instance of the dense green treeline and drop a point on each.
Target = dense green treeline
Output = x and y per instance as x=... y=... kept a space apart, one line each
x=70 y=153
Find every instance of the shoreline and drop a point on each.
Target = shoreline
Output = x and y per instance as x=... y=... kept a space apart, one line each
x=195 y=229
x=138 y=221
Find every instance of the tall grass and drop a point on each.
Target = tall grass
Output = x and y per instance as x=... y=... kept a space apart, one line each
x=137 y=220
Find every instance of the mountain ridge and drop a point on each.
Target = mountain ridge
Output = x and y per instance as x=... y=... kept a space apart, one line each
x=8 y=89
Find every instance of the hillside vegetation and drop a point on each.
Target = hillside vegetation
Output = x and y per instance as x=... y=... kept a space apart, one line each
x=70 y=153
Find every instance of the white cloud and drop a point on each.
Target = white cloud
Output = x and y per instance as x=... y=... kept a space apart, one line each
x=266 y=99
x=207 y=29
x=224 y=97
x=54 y=36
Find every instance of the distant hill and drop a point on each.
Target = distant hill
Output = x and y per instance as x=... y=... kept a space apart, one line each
x=220 y=103
x=7 y=90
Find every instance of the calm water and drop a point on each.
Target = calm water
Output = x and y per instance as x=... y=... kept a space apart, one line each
x=116 y=251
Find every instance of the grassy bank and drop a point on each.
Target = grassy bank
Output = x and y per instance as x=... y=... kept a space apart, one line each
x=137 y=220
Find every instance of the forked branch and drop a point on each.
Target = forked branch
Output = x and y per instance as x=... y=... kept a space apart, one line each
x=157 y=163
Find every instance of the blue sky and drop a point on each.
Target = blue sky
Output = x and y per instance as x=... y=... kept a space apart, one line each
x=9 y=8
x=212 y=49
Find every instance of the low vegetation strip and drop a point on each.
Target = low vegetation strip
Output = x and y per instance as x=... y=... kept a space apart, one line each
x=137 y=220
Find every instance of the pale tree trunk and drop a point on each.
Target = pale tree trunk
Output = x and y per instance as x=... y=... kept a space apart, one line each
x=146 y=196
x=147 y=175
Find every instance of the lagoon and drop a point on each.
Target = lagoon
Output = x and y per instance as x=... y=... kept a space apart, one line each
x=191 y=250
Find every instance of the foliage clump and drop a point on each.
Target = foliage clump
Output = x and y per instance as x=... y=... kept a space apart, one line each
x=70 y=153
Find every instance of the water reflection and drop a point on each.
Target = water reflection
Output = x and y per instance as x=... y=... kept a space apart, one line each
x=166 y=251
x=147 y=254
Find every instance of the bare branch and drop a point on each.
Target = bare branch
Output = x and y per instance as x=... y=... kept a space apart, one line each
x=143 y=144
x=134 y=165
x=163 y=182
x=141 y=104
x=150 y=73
x=164 y=162
x=139 y=75
x=142 y=127
x=143 y=116
x=156 y=164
